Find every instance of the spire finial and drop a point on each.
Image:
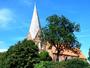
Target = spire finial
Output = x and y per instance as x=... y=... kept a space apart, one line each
x=34 y=2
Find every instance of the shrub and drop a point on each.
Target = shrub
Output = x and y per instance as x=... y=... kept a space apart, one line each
x=44 y=56
x=76 y=63
x=73 y=63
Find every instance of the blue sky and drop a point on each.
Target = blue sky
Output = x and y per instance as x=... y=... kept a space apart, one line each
x=15 y=18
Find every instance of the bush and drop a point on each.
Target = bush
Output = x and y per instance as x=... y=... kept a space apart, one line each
x=50 y=64
x=76 y=63
x=73 y=63
x=44 y=56
x=44 y=64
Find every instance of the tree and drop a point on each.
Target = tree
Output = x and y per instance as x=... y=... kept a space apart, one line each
x=89 y=54
x=60 y=31
x=22 y=55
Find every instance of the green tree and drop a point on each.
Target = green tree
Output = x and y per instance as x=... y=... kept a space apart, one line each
x=22 y=55
x=60 y=31
x=89 y=54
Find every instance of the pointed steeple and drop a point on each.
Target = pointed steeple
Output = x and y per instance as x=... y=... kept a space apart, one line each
x=35 y=25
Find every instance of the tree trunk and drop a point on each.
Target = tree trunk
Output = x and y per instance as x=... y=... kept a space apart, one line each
x=58 y=53
x=57 y=56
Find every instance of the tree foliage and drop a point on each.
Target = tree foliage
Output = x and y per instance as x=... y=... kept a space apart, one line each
x=2 y=60
x=89 y=54
x=60 y=31
x=22 y=55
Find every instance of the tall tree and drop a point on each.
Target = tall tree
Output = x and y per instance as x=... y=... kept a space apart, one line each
x=24 y=54
x=60 y=31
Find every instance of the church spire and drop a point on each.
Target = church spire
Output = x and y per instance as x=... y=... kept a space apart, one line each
x=35 y=25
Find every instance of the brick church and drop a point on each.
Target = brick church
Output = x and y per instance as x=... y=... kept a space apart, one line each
x=33 y=35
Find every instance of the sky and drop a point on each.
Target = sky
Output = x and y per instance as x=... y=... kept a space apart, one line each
x=16 y=15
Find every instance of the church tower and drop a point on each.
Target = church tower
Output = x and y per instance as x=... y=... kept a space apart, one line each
x=34 y=30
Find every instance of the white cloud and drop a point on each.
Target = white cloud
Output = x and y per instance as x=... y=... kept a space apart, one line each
x=3 y=50
x=6 y=17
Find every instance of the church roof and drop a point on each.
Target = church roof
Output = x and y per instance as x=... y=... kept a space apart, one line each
x=35 y=25
x=75 y=52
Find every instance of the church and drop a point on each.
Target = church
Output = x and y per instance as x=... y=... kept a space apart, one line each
x=33 y=34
